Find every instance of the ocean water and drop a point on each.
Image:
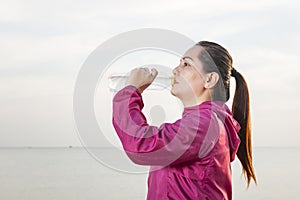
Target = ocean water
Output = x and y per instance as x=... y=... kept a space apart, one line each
x=72 y=173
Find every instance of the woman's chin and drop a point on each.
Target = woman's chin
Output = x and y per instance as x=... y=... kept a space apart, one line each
x=173 y=92
x=176 y=91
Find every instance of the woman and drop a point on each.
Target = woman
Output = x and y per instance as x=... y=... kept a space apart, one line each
x=190 y=158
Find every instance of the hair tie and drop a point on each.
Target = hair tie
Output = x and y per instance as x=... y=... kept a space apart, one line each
x=233 y=72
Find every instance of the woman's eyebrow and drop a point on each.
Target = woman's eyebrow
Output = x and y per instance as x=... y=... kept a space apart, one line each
x=187 y=57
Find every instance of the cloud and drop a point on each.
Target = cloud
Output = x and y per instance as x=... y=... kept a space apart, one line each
x=44 y=43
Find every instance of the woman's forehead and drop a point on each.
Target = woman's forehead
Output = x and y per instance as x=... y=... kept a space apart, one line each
x=193 y=52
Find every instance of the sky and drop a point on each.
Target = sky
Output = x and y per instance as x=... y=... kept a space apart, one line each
x=43 y=45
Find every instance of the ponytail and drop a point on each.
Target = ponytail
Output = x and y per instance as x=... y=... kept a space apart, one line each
x=240 y=107
x=241 y=112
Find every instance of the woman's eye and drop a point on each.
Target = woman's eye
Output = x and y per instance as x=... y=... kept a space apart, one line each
x=186 y=64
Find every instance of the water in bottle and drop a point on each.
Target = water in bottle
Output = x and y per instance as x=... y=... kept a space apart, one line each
x=161 y=82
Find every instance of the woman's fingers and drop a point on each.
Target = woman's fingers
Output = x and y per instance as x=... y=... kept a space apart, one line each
x=141 y=77
x=146 y=69
x=145 y=72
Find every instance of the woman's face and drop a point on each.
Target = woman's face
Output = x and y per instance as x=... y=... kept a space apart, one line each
x=189 y=76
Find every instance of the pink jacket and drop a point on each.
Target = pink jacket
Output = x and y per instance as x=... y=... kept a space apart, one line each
x=190 y=158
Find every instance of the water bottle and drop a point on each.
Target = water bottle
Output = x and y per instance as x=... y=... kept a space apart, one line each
x=161 y=82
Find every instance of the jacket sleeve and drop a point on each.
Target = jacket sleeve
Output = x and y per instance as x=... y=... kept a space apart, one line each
x=171 y=143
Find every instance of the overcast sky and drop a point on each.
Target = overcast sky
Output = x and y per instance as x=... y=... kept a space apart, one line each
x=43 y=44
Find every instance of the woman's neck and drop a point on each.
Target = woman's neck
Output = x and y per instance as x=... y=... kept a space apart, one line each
x=189 y=102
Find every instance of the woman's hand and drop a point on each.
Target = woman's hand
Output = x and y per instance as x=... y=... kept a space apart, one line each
x=141 y=78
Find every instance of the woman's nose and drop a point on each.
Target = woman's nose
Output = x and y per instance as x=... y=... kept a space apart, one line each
x=176 y=70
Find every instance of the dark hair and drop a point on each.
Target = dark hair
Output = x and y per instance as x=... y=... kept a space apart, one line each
x=216 y=58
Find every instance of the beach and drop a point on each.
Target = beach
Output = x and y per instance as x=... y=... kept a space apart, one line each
x=72 y=173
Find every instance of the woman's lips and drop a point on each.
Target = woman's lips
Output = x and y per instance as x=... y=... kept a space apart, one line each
x=173 y=81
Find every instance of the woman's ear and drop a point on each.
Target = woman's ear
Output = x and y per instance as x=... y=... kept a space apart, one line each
x=211 y=80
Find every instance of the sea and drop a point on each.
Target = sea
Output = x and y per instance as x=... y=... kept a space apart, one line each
x=73 y=173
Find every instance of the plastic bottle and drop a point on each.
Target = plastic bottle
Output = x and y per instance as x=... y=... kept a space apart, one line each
x=161 y=82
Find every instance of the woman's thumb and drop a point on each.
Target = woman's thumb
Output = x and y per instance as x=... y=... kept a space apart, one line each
x=154 y=72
